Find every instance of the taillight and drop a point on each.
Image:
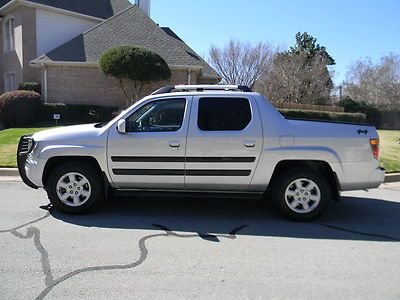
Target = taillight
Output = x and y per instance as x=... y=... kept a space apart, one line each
x=375 y=147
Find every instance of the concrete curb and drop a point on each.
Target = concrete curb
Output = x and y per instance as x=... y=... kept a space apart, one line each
x=9 y=172
x=394 y=177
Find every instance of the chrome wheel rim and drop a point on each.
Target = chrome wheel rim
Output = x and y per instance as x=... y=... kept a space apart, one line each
x=73 y=189
x=302 y=195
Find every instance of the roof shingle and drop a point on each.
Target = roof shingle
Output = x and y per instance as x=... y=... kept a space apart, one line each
x=103 y=9
x=130 y=27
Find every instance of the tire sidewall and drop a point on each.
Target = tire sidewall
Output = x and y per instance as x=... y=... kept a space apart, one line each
x=287 y=178
x=91 y=175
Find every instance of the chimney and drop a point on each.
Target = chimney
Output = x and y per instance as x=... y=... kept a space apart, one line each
x=144 y=5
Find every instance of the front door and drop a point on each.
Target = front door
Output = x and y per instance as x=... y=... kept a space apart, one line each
x=224 y=144
x=151 y=154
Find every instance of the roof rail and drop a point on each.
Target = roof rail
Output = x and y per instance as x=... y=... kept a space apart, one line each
x=201 y=88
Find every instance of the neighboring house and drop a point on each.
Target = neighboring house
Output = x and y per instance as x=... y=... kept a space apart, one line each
x=59 y=42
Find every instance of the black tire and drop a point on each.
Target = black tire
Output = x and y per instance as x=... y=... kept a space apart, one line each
x=94 y=188
x=285 y=181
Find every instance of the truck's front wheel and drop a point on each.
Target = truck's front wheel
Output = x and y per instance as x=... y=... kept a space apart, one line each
x=301 y=194
x=74 y=188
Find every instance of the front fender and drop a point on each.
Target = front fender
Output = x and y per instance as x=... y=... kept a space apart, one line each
x=70 y=150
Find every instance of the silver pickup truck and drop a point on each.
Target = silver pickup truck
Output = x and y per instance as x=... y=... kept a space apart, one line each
x=203 y=140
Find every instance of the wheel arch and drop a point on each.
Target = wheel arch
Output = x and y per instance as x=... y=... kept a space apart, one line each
x=53 y=162
x=319 y=166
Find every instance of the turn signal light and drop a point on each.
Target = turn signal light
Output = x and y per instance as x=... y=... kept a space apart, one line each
x=375 y=147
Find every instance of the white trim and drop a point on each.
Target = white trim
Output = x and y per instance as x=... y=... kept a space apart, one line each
x=185 y=67
x=8 y=48
x=37 y=63
x=45 y=84
x=49 y=8
x=5 y=82
x=189 y=76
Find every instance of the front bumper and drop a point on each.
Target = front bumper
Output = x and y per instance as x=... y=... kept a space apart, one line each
x=22 y=156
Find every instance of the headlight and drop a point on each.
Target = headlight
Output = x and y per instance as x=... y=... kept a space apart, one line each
x=26 y=145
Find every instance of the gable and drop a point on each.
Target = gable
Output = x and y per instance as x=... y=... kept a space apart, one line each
x=130 y=27
x=103 y=9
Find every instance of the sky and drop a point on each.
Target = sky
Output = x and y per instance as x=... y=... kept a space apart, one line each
x=349 y=30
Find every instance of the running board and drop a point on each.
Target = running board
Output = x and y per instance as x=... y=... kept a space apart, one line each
x=190 y=194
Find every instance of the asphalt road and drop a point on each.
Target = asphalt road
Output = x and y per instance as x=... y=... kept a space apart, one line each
x=198 y=248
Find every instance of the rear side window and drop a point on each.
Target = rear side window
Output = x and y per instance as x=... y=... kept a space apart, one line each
x=223 y=114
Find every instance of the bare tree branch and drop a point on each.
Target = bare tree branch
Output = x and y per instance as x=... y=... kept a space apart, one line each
x=242 y=63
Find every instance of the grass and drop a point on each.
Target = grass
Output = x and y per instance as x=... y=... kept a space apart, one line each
x=9 y=139
x=389 y=147
x=390 y=150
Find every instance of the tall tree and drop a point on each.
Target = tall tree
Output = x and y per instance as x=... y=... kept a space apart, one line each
x=300 y=74
x=377 y=84
x=242 y=63
x=307 y=45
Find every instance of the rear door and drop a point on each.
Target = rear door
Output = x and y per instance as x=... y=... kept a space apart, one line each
x=151 y=154
x=224 y=143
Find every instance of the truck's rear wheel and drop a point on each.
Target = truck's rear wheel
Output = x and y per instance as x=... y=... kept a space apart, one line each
x=74 y=188
x=301 y=194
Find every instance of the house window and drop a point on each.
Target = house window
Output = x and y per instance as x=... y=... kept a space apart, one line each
x=9 y=82
x=9 y=34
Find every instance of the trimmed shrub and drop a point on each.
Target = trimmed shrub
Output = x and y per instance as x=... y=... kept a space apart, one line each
x=19 y=108
x=323 y=115
x=30 y=86
x=76 y=113
x=373 y=115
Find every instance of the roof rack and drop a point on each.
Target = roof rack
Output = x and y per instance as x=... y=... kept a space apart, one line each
x=201 y=88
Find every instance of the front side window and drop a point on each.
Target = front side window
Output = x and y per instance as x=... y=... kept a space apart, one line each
x=223 y=114
x=158 y=116
x=9 y=34
x=9 y=82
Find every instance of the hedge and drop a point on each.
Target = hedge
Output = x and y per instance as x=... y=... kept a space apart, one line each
x=19 y=108
x=323 y=115
x=77 y=113
x=30 y=86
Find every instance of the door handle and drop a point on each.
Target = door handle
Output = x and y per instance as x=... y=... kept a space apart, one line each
x=250 y=144
x=174 y=144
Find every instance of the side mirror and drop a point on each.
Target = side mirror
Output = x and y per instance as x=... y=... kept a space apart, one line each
x=121 y=127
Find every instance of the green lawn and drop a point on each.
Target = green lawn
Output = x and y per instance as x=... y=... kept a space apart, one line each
x=390 y=150
x=9 y=139
x=389 y=147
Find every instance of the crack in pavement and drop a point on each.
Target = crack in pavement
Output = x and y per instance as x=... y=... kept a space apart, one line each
x=143 y=255
x=50 y=282
x=44 y=255
x=386 y=237
x=26 y=224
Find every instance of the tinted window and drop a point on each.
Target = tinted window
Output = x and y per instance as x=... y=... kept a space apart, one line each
x=156 y=116
x=219 y=114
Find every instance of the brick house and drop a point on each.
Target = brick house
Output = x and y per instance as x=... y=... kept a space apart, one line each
x=59 y=42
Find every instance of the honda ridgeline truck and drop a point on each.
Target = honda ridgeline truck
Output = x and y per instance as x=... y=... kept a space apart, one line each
x=203 y=140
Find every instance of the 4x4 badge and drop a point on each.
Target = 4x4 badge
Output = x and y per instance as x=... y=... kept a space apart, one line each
x=359 y=131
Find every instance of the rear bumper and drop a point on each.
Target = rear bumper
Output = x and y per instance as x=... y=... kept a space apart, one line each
x=377 y=178
x=21 y=161
x=360 y=175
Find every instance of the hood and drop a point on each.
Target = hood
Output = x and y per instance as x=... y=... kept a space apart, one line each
x=67 y=133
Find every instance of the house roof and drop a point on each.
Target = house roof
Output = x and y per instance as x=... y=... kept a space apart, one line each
x=130 y=27
x=103 y=9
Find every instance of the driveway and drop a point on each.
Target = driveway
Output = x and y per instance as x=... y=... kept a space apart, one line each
x=198 y=248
